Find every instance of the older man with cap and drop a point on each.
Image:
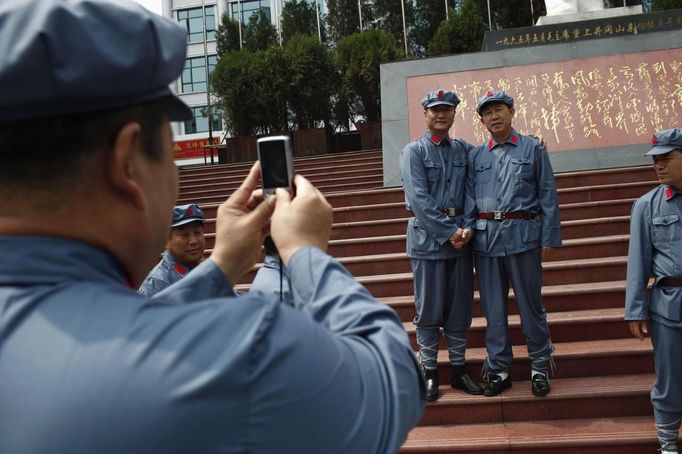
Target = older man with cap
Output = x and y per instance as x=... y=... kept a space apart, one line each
x=655 y=251
x=514 y=211
x=89 y=365
x=433 y=170
x=184 y=250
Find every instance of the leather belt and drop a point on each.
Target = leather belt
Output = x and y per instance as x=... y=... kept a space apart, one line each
x=452 y=211
x=670 y=282
x=502 y=215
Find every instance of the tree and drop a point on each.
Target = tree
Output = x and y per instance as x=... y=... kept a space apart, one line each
x=259 y=33
x=298 y=17
x=358 y=58
x=463 y=32
x=232 y=83
x=343 y=20
x=227 y=36
x=428 y=16
x=312 y=78
x=660 y=5
x=389 y=17
x=270 y=91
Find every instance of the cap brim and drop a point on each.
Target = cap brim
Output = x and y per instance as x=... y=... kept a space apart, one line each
x=439 y=103
x=187 y=221
x=491 y=101
x=660 y=149
x=176 y=109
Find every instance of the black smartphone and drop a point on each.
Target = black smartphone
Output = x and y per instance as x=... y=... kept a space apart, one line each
x=276 y=163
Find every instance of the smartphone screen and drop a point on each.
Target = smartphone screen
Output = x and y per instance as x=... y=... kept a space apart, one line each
x=273 y=161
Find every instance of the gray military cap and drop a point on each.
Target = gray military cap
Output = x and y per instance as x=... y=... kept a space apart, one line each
x=666 y=141
x=491 y=97
x=440 y=97
x=72 y=56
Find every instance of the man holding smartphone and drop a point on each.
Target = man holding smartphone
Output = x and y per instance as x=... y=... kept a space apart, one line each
x=87 y=364
x=434 y=174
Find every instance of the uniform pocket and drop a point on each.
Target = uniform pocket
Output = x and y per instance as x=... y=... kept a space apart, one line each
x=433 y=169
x=420 y=239
x=483 y=172
x=520 y=167
x=665 y=229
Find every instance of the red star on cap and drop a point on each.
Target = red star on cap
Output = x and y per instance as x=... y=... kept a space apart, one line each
x=189 y=211
x=440 y=94
x=654 y=140
x=489 y=94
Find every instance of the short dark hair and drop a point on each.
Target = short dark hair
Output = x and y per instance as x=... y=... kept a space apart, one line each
x=48 y=154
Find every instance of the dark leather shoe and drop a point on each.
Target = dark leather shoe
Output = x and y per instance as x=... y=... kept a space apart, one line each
x=431 y=378
x=539 y=385
x=461 y=380
x=496 y=385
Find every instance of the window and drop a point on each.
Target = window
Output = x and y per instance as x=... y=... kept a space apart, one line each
x=249 y=7
x=199 y=121
x=191 y=19
x=194 y=74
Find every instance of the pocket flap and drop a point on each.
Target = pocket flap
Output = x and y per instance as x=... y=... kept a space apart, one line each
x=665 y=219
x=483 y=166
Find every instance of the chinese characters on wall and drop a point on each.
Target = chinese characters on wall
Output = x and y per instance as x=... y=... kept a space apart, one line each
x=575 y=104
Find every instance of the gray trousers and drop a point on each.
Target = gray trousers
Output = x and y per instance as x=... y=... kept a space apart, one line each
x=524 y=270
x=443 y=296
x=666 y=395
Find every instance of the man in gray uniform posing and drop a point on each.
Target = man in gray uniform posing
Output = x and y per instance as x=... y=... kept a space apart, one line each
x=90 y=366
x=515 y=213
x=655 y=250
x=433 y=170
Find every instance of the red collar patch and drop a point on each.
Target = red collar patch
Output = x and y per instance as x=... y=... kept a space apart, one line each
x=435 y=139
x=181 y=270
x=514 y=139
x=668 y=193
x=491 y=144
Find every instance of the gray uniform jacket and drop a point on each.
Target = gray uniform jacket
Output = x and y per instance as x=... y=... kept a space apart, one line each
x=512 y=176
x=89 y=366
x=167 y=272
x=268 y=280
x=655 y=250
x=434 y=178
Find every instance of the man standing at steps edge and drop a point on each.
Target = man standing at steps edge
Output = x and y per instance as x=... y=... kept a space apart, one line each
x=656 y=250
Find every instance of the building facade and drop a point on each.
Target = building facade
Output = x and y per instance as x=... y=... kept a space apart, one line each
x=201 y=19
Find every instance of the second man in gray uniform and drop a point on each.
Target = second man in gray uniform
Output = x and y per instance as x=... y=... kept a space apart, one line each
x=515 y=213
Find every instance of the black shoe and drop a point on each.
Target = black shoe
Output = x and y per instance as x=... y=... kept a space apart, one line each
x=495 y=385
x=431 y=377
x=460 y=380
x=539 y=385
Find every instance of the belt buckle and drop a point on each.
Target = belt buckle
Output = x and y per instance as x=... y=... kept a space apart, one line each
x=450 y=211
x=498 y=215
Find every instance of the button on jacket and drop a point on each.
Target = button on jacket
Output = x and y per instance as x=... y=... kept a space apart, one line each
x=434 y=177
x=88 y=365
x=515 y=175
x=655 y=250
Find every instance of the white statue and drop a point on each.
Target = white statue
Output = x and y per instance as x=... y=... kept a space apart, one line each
x=557 y=7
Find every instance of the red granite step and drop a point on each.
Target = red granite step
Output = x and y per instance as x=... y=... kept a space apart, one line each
x=581 y=397
x=603 y=357
x=614 y=435
x=565 y=326
x=605 y=176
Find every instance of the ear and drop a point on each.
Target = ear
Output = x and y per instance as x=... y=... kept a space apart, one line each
x=513 y=112
x=124 y=165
